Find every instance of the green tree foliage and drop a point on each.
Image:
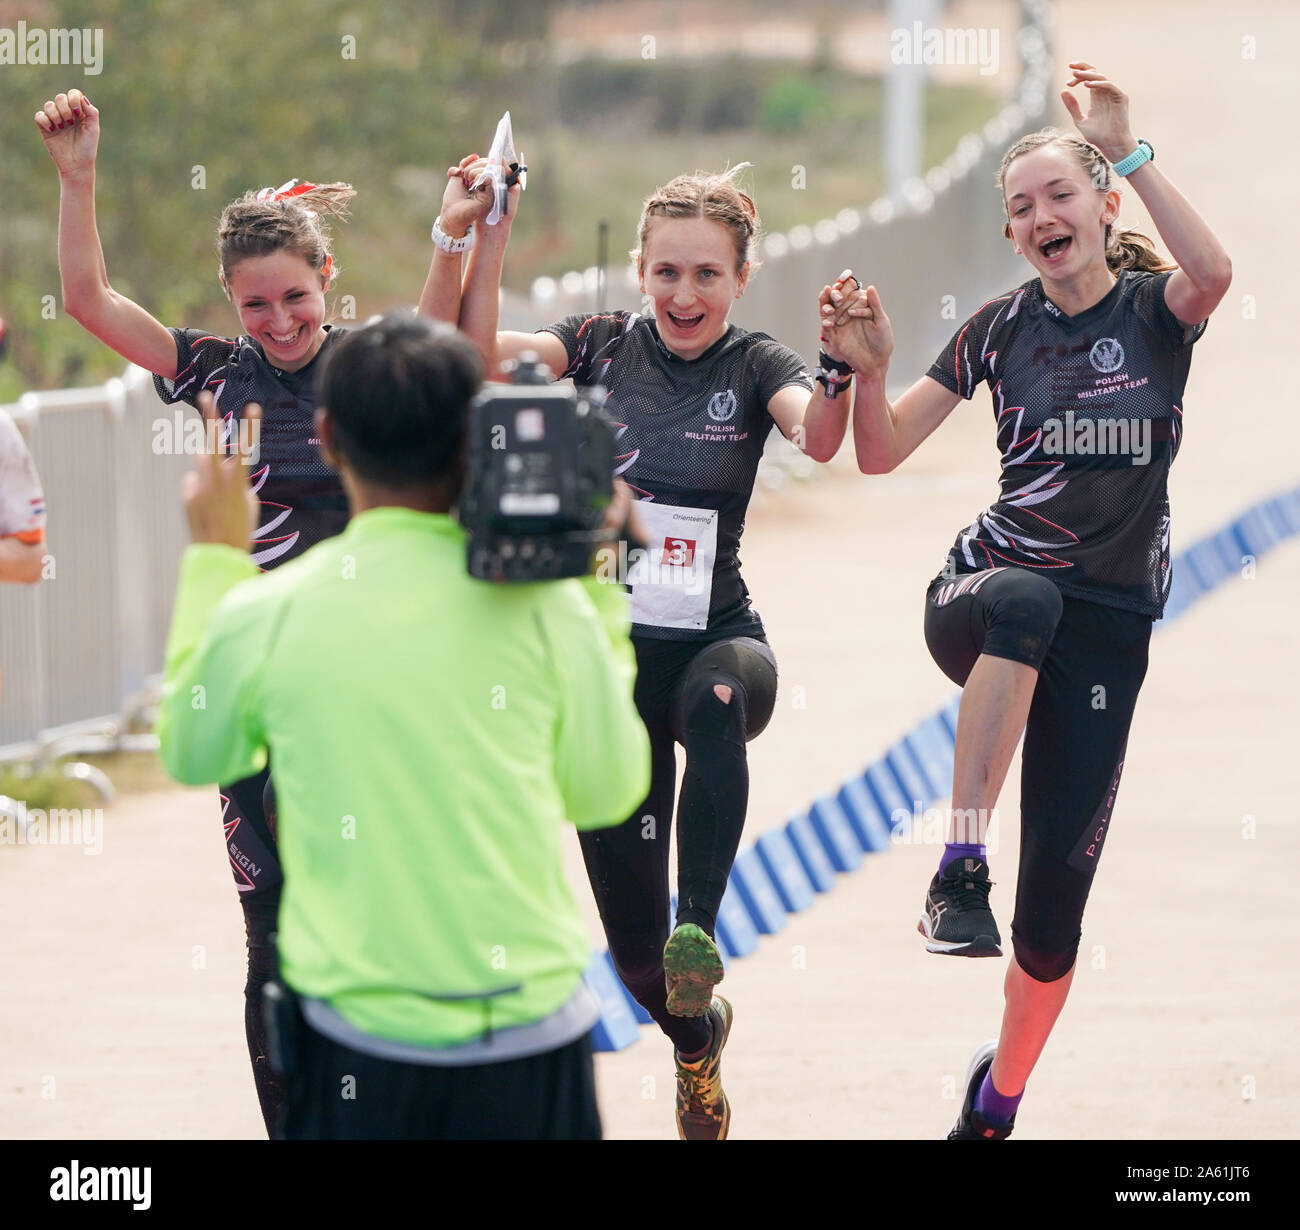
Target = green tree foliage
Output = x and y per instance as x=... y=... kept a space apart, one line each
x=236 y=98
x=794 y=102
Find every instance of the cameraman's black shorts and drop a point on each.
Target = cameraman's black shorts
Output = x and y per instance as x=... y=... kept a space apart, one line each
x=341 y=1094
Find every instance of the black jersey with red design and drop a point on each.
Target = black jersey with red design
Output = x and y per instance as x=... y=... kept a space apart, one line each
x=691 y=432
x=1089 y=419
x=302 y=498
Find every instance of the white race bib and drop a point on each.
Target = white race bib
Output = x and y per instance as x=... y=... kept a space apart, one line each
x=672 y=582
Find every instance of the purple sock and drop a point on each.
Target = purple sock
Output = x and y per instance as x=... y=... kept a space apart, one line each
x=995 y=1106
x=955 y=850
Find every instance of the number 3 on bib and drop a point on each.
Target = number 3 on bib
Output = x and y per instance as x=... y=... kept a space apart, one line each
x=672 y=582
x=679 y=552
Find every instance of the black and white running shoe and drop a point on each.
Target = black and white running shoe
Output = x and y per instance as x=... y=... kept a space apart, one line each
x=971 y=1125
x=957 y=921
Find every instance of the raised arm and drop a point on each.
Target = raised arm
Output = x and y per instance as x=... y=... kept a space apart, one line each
x=69 y=124
x=885 y=433
x=1204 y=270
x=481 y=302
x=475 y=305
x=440 y=298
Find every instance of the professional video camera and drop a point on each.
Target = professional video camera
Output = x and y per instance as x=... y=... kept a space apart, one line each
x=540 y=477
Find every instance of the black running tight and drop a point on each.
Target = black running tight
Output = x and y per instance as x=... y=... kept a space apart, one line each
x=1091 y=660
x=259 y=924
x=247 y=815
x=679 y=694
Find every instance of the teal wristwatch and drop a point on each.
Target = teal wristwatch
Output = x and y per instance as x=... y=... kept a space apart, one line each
x=1143 y=153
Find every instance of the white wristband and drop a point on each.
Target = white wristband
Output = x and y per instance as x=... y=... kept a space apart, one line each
x=446 y=243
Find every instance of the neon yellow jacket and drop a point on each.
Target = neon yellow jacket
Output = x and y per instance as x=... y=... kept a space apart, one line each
x=429 y=734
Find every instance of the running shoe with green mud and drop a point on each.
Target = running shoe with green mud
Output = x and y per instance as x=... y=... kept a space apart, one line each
x=692 y=968
x=703 y=1112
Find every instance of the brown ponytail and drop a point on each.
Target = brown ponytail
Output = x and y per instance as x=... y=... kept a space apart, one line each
x=1133 y=250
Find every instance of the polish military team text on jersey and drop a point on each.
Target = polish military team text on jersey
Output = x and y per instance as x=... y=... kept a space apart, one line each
x=302 y=499
x=1089 y=419
x=22 y=503
x=690 y=437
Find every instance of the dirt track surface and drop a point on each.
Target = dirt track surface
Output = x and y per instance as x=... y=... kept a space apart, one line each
x=122 y=974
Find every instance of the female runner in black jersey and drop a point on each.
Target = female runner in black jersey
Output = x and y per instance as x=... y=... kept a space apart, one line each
x=695 y=398
x=275 y=268
x=1044 y=608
